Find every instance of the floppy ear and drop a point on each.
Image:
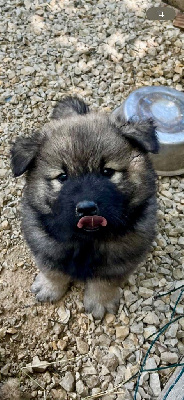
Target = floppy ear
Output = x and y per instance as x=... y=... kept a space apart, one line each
x=69 y=106
x=23 y=152
x=140 y=133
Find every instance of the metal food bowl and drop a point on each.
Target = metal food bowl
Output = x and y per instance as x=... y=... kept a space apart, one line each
x=166 y=107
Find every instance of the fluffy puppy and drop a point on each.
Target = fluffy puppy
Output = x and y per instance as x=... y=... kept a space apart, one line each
x=89 y=203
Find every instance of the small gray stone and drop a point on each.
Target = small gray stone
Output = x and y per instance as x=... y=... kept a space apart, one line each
x=110 y=361
x=136 y=327
x=3 y=172
x=89 y=370
x=181 y=322
x=103 y=340
x=59 y=394
x=172 y=330
x=152 y=282
x=116 y=350
x=37 y=365
x=122 y=332
x=58 y=328
x=68 y=382
x=77 y=71
x=5 y=369
x=129 y=297
x=27 y=70
x=123 y=317
x=64 y=314
x=110 y=318
x=135 y=306
x=82 y=346
x=145 y=292
x=155 y=383
x=104 y=371
x=151 y=318
x=169 y=357
x=81 y=389
x=181 y=241
x=149 y=331
x=150 y=363
x=92 y=381
x=2 y=332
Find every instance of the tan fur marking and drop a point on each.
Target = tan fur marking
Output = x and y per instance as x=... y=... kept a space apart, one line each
x=115 y=165
x=54 y=172
x=56 y=185
x=116 y=178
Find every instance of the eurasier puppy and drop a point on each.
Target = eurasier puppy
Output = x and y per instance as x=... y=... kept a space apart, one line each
x=89 y=203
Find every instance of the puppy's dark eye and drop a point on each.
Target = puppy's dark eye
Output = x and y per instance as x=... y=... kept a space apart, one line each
x=108 y=172
x=62 y=177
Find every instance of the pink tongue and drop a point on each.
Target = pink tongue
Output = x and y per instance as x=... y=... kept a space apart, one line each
x=92 y=222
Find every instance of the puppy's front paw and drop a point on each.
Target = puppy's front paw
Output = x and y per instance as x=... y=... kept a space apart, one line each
x=101 y=297
x=48 y=288
x=96 y=309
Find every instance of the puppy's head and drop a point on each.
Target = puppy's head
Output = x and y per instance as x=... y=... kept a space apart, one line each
x=88 y=174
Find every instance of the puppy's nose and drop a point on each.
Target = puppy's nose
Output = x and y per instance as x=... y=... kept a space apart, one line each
x=86 y=207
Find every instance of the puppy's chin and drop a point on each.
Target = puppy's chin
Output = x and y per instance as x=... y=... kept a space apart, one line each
x=90 y=234
x=102 y=233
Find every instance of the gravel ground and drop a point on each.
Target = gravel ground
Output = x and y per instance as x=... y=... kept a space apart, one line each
x=101 y=50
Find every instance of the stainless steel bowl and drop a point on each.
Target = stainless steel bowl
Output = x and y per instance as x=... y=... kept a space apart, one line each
x=166 y=107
